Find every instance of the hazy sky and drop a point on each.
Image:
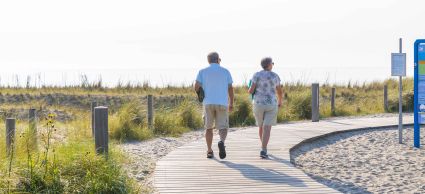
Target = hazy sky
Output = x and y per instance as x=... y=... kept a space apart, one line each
x=166 y=41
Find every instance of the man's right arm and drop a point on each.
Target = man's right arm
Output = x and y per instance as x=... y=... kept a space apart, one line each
x=197 y=86
x=198 y=82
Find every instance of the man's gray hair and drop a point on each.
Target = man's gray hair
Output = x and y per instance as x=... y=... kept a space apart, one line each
x=213 y=57
x=265 y=62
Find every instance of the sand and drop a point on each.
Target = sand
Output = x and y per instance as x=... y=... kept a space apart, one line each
x=369 y=161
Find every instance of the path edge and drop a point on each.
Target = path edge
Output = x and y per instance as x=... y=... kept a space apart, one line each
x=309 y=140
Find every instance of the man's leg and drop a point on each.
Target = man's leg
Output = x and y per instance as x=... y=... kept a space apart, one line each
x=209 y=138
x=223 y=134
x=221 y=146
x=222 y=123
x=208 y=121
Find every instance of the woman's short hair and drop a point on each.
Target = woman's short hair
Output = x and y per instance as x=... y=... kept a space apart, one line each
x=265 y=62
x=213 y=57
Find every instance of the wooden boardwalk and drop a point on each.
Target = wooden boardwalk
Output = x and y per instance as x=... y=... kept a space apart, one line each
x=187 y=170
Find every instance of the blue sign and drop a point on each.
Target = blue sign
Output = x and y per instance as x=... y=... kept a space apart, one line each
x=419 y=90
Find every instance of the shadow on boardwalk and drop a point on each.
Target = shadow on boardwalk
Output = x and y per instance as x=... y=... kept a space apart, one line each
x=265 y=175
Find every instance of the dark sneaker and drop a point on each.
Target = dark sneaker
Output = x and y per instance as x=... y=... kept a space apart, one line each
x=210 y=154
x=264 y=155
x=222 y=150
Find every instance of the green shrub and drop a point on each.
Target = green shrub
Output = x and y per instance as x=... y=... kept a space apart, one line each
x=89 y=173
x=189 y=115
x=64 y=167
x=242 y=112
x=165 y=123
x=36 y=182
x=300 y=105
x=407 y=103
x=129 y=123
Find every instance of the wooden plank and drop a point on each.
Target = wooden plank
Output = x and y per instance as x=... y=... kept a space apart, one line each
x=186 y=170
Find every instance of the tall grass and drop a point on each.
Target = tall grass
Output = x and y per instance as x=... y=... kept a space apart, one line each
x=59 y=164
x=69 y=164
x=130 y=122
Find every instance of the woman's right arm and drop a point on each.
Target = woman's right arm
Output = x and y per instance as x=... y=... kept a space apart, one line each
x=279 y=95
x=252 y=88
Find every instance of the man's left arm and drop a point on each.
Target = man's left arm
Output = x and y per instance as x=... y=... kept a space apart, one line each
x=230 y=91
x=231 y=96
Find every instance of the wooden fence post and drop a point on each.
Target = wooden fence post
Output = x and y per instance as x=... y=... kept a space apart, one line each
x=386 y=98
x=92 y=106
x=101 y=129
x=32 y=121
x=32 y=127
x=333 y=101
x=315 y=102
x=150 y=111
x=10 y=135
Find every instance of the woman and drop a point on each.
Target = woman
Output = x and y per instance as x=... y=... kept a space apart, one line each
x=265 y=86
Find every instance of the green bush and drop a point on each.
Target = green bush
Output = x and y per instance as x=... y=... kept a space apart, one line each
x=407 y=103
x=36 y=182
x=63 y=167
x=129 y=123
x=300 y=105
x=242 y=112
x=94 y=174
x=165 y=123
x=189 y=115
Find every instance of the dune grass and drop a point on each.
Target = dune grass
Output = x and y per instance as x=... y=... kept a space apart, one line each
x=60 y=161
x=70 y=166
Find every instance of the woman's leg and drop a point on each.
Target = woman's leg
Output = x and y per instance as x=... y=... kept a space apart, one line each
x=265 y=137
x=259 y=119
x=260 y=133
x=269 y=119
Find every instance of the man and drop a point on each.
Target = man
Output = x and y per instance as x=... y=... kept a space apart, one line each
x=216 y=82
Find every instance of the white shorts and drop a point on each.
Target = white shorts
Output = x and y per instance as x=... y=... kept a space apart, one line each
x=216 y=116
x=265 y=114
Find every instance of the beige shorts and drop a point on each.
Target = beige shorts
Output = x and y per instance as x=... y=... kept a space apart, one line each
x=216 y=116
x=265 y=114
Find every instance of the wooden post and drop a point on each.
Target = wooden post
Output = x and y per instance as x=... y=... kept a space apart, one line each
x=32 y=127
x=101 y=129
x=32 y=121
x=10 y=134
x=315 y=102
x=333 y=101
x=386 y=98
x=93 y=105
x=150 y=111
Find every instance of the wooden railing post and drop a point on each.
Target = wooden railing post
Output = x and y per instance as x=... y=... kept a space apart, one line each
x=92 y=106
x=32 y=122
x=101 y=129
x=150 y=111
x=333 y=101
x=10 y=134
x=386 y=98
x=315 y=102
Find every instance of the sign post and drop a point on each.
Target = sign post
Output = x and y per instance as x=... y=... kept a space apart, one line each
x=419 y=90
x=398 y=68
